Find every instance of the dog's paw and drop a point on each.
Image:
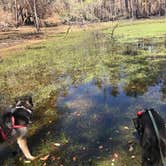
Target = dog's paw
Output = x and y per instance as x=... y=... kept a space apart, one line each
x=31 y=158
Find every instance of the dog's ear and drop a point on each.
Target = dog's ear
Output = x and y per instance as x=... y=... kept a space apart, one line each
x=17 y=99
x=30 y=100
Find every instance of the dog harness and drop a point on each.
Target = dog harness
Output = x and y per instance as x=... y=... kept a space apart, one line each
x=10 y=128
x=4 y=134
x=158 y=137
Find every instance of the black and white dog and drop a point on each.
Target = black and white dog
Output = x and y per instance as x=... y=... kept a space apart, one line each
x=14 y=124
x=153 y=142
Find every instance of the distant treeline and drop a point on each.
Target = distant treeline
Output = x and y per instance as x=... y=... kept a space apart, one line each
x=82 y=10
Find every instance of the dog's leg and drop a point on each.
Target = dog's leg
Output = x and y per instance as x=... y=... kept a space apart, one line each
x=22 y=142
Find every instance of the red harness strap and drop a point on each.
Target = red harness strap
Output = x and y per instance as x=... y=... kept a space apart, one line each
x=4 y=135
x=13 y=126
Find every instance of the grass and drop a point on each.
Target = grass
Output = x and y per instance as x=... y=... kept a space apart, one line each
x=47 y=69
x=131 y=30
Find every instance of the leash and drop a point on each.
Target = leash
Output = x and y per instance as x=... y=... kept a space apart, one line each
x=158 y=137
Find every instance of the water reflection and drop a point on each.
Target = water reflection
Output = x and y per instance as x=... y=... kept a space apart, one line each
x=96 y=113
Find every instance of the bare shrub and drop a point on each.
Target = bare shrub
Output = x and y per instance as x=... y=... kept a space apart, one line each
x=6 y=20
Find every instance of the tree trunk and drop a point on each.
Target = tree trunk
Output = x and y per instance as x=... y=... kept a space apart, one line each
x=130 y=8
x=165 y=8
x=16 y=13
x=133 y=9
x=159 y=7
x=126 y=8
x=36 y=17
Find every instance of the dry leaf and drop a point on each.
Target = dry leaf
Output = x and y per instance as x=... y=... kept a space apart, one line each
x=74 y=158
x=45 y=158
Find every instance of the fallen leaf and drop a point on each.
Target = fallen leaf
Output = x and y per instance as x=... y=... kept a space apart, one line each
x=74 y=158
x=115 y=155
x=45 y=157
x=44 y=164
x=53 y=158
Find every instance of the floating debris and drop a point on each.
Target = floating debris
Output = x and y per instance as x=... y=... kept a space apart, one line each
x=57 y=144
x=27 y=161
x=100 y=147
x=59 y=158
x=110 y=138
x=131 y=148
x=133 y=157
x=126 y=127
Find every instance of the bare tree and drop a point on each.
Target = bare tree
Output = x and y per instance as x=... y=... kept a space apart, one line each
x=16 y=13
x=165 y=8
x=36 y=17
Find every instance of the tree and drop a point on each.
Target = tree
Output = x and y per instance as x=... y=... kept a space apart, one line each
x=36 y=17
x=16 y=13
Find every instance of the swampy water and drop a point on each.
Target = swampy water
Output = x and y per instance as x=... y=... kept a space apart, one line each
x=96 y=116
x=102 y=82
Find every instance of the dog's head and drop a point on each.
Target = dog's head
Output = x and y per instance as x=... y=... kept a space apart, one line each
x=25 y=101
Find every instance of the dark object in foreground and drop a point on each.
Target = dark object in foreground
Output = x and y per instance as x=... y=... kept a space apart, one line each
x=14 y=125
x=152 y=135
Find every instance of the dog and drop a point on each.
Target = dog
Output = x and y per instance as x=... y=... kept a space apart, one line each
x=153 y=144
x=14 y=124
